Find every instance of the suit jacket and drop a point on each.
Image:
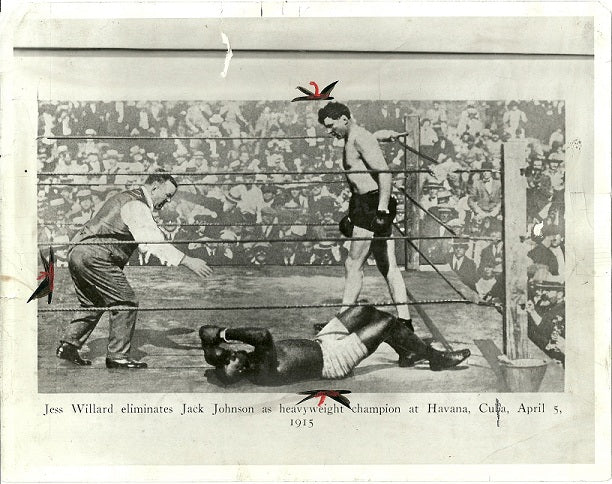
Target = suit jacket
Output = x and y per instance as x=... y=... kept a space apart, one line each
x=482 y=200
x=487 y=257
x=543 y=255
x=466 y=271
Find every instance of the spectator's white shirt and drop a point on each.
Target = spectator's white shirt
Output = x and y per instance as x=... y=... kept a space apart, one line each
x=66 y=130
x=436 y=115
x=49 y=121
x=557 y=179
x=143 y=121
x=556 y=136
x=512 y=119
x=83 y=217
x=484 y=286
x=474 y=126
x=252 y=201
x=139 y=219
x=456 y=264
x=428 y=136
x=72 y=167
x=494 y=147
x=195 y=118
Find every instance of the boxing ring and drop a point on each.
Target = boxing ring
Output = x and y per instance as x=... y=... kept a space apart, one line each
x=288 y=300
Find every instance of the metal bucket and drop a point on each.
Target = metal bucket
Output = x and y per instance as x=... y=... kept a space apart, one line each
x=523 y=375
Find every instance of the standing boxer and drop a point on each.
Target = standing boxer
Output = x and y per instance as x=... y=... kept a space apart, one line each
x=97 y=270
x=371 y=210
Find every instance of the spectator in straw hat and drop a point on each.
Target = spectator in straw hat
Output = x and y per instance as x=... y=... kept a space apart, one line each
x=294 y=199
x=231 y=214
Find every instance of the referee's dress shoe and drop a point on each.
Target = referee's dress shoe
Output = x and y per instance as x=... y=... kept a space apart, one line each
x=68 y=352
x=125 y=363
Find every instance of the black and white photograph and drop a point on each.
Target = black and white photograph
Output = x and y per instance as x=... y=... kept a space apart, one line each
x=225 y=223
x=304 y=215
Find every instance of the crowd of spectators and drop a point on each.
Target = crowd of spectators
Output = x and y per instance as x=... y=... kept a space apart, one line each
x=457 y=135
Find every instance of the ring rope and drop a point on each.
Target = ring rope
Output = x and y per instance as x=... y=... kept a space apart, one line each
x=288 y=224
x=427 y=212
x=244 y=308
x=251 y=241
x=301 y=224
x=197 y=183
x=219 y=173
x=171 y=138
x=434 y=267
x=248 y=173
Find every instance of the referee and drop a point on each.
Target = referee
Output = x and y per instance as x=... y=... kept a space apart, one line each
x=97 y=270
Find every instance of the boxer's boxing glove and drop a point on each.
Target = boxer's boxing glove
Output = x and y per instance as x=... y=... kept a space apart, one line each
x=381 y=223
x=346 y=226
x=210 y=335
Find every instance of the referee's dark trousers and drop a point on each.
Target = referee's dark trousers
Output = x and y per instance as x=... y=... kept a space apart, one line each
x=100 y=282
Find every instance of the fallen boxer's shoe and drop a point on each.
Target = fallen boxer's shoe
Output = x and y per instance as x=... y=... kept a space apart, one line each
x=448 y=359
x=408 y=360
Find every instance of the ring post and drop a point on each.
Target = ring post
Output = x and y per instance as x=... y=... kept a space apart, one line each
x=406 y=263
x=514 y=212
x=416 y=258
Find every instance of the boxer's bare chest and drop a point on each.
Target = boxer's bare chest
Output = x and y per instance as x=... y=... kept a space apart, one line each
x=356 y=168
x=351 y=158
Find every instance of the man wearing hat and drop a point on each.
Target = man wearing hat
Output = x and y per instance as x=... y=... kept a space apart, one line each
x=556 y=175
x=546 y=319
x=493 y=146
x=97 y=270
x=86 y=207
x=269 y=194
x=444 y=211
x=210 y=252
x=492 y=253
x=485 y=194
x=198 y=161
x=549 y=252
x=513 y=119
x=487 y=281
x=430 y=196
x=462 y=265
x=443 y=146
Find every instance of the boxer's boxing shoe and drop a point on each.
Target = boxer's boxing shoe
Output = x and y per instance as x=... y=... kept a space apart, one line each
x=125 y=363
x=68 y=352
x=407 y=323
x=448 y=359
